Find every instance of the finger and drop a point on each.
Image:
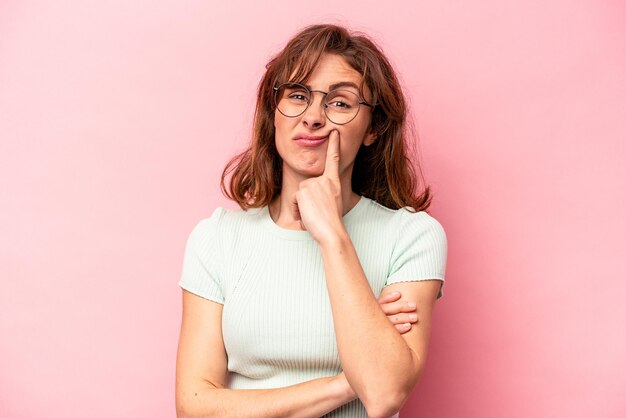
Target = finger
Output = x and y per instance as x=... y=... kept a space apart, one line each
x=403 y=328
x=331 y=169
x=402 y=319
x=389 y=297
x=392 y=308
x=407 y=306
x=397 y=307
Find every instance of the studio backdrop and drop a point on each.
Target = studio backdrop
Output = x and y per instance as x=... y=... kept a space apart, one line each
x=117 y=118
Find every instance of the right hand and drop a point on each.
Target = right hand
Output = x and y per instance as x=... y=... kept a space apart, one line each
x=397 y=312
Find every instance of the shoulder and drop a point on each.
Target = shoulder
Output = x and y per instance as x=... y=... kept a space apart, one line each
x=420 y=223
x=406 y=221
x=419 y=250
x=227 y=229
x=227 y=219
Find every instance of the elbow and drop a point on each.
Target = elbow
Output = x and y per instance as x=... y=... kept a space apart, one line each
x=386 y=400
x=183 y=407
x=384 y=405
x=187 y=407
x=182 y=411
x=188 y=400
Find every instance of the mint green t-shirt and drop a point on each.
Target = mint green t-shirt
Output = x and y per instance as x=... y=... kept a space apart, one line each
x=277 y=322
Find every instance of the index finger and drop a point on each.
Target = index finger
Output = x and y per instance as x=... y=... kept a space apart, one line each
x=387 y=297
x=331 y=169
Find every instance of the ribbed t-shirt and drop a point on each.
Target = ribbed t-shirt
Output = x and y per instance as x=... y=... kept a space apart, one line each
x=277 y=322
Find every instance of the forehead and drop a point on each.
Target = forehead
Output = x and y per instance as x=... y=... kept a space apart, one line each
x=332 y=69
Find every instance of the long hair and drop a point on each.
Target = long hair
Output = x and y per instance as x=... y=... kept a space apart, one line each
x=382 y=171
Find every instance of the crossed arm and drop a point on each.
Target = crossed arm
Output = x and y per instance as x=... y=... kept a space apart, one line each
x=201 y=374
x=380 y=365
x=201 y=370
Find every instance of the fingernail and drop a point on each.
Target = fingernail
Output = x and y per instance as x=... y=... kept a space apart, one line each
x=413 y=317
x=406 y=325
x=410 y=304
x=395 y=293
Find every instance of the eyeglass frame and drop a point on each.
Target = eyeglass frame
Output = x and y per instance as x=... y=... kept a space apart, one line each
x=324 y=104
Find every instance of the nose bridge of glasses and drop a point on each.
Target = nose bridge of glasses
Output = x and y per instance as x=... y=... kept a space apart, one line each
x=324 y=94
x=328 y=111
x=320 y=109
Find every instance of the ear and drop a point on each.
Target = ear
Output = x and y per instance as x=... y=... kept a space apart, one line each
x=370 y=138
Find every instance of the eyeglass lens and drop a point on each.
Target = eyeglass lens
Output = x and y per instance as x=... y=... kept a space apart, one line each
x=341 y=106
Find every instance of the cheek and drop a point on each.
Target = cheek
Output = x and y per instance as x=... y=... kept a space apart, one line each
x=351 y=141
x=282 y=132
x=282 y=123
x=276 y=120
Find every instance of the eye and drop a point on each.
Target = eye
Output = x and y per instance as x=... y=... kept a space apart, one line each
x=342 y=102
x=339 y=103
x=298 y=96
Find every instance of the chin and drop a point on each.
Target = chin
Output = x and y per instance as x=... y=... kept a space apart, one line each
x=306 y=170
x=311 y=172
x=312 y=164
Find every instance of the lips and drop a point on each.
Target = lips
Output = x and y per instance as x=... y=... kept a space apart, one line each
x=310 y=140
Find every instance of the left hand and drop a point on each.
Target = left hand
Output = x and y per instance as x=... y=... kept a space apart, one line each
x=318 y=203
x=401 y=314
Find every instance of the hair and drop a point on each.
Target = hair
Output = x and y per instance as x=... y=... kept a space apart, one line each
x=382 y=171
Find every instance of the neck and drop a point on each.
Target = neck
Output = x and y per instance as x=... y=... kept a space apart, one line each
x=280 y=208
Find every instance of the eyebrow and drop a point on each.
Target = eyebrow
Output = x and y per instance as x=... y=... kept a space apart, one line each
x=337 y=85
x=343 y=84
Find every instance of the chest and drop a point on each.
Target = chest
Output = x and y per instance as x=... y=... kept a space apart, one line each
x=277 y=312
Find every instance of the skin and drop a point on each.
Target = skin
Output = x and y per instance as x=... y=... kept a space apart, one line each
x=381 y=357
x=201 y=372
x=302 y=164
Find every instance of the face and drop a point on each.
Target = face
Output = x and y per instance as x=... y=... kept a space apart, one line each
x=301 y=158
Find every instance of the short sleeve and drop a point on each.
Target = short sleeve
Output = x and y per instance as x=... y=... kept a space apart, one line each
x=420 y=250
x=200 y=272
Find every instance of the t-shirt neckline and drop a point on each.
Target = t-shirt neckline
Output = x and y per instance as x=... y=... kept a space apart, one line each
x=294 y=234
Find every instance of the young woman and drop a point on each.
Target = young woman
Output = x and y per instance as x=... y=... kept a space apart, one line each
x=280 y=309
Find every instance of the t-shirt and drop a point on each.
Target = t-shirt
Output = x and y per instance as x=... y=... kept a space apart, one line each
x=277 y=322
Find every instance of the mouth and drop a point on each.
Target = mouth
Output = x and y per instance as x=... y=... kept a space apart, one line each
x=310 y=140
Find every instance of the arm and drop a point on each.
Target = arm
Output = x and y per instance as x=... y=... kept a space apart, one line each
x=201 y=372
x=381 y=366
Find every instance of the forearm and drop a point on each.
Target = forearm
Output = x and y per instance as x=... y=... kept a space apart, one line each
x=374 y=356
x=308 y=399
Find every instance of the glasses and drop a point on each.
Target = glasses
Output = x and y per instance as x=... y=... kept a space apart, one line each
x=341 y=106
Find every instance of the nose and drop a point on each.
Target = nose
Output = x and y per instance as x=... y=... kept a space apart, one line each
x=314 y=116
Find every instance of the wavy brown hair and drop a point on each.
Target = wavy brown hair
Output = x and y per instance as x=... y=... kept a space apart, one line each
x=382 y=171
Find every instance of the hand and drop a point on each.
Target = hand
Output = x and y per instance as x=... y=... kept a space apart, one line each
x=398 y=313
x=318 y=203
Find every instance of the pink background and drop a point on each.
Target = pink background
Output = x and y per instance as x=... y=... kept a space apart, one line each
x=117 y=117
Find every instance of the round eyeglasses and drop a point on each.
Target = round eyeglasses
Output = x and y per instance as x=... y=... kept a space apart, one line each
x=341 y=106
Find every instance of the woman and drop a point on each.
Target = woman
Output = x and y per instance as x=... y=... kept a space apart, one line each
x=280 y=309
